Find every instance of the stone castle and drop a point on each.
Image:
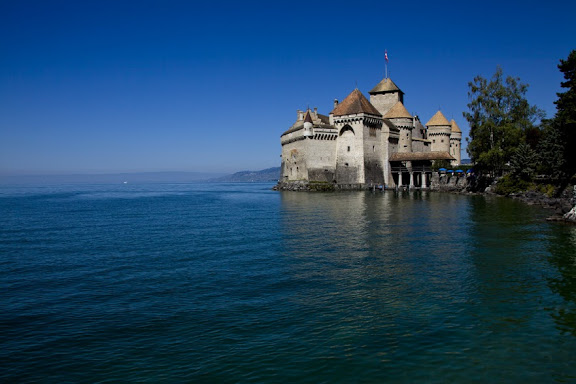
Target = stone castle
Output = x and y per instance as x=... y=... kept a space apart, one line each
x=364 y=144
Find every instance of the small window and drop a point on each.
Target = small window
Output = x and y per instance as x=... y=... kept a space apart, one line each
x=348 y=149
x=346 y=164
x=434 y=141
x=373 y=148
x=442 y=140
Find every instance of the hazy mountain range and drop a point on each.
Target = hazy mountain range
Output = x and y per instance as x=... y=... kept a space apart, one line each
x=265 y=175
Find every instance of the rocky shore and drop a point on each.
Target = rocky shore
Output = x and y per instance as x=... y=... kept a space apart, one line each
x=563 y=206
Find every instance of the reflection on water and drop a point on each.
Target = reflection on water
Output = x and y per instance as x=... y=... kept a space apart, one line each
x=412 y=278
x=238 y=283
x=562 y=249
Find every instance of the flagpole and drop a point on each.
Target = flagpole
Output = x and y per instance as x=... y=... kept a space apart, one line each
x=386 y=61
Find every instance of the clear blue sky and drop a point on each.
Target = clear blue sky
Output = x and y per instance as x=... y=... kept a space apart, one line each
x=123 y=86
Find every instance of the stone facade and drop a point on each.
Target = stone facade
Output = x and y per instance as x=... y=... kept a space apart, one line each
x=362 y=144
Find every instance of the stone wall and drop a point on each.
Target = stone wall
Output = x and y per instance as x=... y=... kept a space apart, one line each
x=448 y=182
x=383 y=102
x=321 y=159
x=350 y=153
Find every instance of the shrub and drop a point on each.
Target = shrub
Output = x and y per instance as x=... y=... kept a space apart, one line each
x=509 y=184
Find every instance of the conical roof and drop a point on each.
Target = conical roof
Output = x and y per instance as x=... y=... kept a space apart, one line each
x=398 y=110
x=438 y=119
x=355 y=103
x=308 y=118
x=455 y=127
x=386 y=85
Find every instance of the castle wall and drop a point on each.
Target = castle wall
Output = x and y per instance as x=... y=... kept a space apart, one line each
x=419 y=131
x=321 y=160
x=350 y=153
x=440 y=137
x=383 y=102
x=294 y=161
x=420 y=145
x=373 y=164
x=455 y=147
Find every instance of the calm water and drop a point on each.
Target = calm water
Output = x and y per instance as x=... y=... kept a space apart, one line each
x=237 y=283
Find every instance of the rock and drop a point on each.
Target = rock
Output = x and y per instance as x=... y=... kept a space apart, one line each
x=571 y=215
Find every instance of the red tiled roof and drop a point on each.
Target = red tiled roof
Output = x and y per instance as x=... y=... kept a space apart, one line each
x=355 y=103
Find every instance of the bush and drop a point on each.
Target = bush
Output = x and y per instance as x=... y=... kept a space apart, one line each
x=546 y=189
x=509 y=184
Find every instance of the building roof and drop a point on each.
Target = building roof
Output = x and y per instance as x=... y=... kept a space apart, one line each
x=397 y=111
x=355 y=103
x=411 y=156
x=455 y=127
x=386 y=85
x=317 y=120
x=438 y=119
x=307 y=118
x=323 y=119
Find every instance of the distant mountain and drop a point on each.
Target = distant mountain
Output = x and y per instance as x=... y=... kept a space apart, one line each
x=112 y=178
x=265 y=175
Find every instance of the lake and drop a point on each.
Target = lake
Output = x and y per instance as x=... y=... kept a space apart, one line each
x=229 y=283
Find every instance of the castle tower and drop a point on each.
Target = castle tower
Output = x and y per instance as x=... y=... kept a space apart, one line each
x=385 y=95
x=439 y=130
x=358 y=145
x=308 y=125
x=455 y=143
x=402 y=119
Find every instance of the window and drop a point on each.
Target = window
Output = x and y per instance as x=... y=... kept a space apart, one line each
x=373 y=148
x=348 y=148
x=346 y=164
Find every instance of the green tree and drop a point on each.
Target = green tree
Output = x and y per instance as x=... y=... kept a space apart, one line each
x=499 y=117
x=524 y=162
x=557 y=149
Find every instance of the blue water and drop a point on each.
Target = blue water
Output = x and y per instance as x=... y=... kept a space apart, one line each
x=233 y=283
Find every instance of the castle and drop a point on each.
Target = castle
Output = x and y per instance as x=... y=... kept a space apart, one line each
x=363 y=144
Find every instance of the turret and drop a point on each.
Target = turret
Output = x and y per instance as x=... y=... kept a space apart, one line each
x=455 y=143
x=402 y=119
x=308 y=131
x=439 y=130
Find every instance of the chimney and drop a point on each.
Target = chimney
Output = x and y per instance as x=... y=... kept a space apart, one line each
x=300 y=115
x=335 y=103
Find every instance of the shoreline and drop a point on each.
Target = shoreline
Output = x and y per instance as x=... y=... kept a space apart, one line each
x=564 y=206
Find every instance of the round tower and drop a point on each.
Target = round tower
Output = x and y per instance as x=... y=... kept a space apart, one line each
x=402 y=119
x=455 y=143
x=308 y=132
x=439 y=130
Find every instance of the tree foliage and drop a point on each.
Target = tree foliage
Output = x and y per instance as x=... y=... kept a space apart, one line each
x=558 y=147
x=499 y=117
x=524 y=162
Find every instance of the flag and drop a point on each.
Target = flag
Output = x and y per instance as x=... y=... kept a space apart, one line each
x=386 y=55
